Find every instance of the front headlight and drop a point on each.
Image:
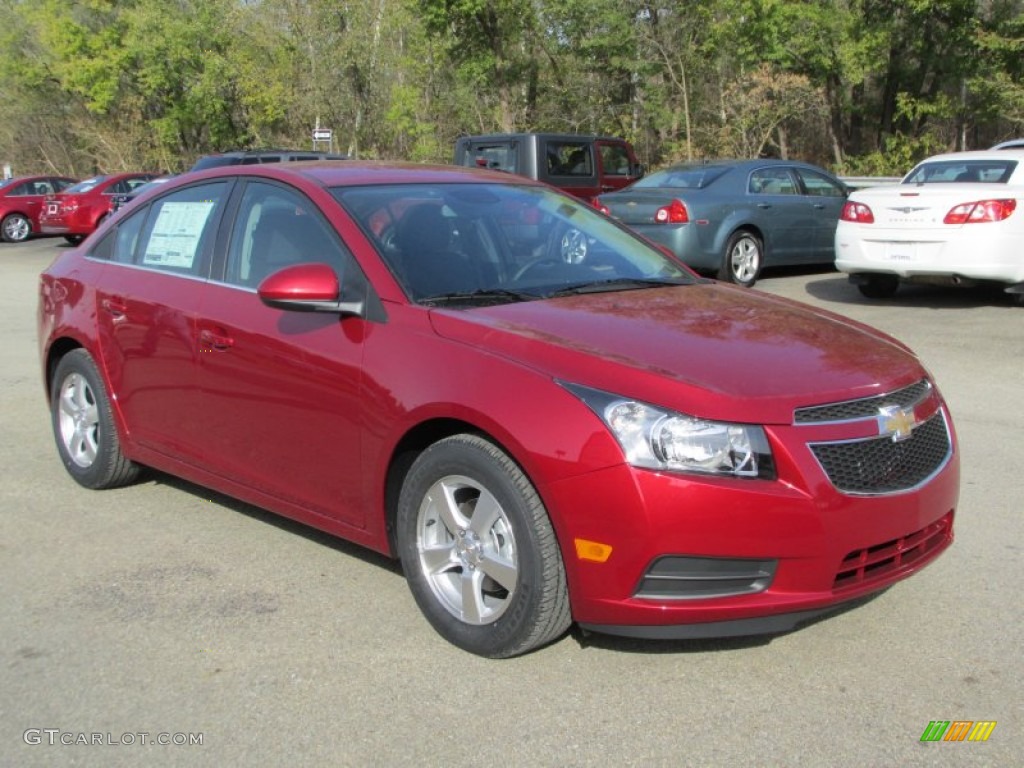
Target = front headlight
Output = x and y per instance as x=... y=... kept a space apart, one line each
x=657 y=438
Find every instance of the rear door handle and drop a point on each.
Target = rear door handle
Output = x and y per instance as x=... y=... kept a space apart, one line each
x=114 y=307
x=210 y=340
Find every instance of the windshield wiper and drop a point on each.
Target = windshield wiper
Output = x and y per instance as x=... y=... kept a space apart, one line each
x=616 y=284
x=478 y=298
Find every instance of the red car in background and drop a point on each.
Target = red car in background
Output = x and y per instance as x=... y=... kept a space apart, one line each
x=21 y=202
x=79 y=209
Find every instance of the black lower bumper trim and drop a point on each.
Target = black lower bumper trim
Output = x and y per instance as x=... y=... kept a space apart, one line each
x=761 y=625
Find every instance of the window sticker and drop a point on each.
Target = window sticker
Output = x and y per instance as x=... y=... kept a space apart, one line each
x=176 y=234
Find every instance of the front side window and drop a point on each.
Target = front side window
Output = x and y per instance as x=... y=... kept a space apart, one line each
x=277 y=227
x=614 y=160
x=466 y=244
x=819 y=185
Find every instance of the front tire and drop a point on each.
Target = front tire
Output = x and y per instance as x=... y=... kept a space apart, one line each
x=15 y=228
x=83 y=425
x=74 y=239
x=744 y=257
x=479 y=551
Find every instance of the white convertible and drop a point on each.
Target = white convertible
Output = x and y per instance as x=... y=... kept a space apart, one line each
x=955 y=219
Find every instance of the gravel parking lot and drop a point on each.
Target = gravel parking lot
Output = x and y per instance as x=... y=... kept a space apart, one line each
x=162 y=612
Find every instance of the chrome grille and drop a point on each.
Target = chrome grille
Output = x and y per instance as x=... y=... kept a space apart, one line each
x=866 y=408
x=883 y=465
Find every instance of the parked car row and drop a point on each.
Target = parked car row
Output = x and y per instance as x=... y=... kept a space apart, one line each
x=21 y=204
x=952 y=219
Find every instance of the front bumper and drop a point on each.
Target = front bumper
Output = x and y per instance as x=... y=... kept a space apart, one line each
x=789 y=549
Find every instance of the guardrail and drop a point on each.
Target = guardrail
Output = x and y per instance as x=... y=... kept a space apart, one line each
x=860 y=182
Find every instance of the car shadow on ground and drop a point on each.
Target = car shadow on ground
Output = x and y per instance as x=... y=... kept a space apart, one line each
x=342 y=546
x=837 y=289
x=584 y=639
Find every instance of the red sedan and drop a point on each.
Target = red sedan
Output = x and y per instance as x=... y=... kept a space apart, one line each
x=21 y=202
x=545 y=417
x=79 y=209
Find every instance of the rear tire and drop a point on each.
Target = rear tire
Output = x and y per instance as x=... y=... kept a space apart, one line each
x=83 y=425
x=743 y=259
x=879 y=286
x=479 y=551
x=74 y=239
x=15 y=228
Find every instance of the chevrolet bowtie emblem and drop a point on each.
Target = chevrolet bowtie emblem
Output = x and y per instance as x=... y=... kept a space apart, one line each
x=896 y=421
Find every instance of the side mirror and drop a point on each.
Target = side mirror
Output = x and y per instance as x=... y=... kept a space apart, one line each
x=306 y=288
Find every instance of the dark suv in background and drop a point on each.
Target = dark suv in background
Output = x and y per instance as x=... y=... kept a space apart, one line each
x=584 y=166
x=256 y=156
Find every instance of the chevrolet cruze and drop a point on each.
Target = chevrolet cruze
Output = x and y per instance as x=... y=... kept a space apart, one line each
x=546 y=418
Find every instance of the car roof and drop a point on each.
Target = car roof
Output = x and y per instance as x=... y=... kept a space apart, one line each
x=541 y=134
x=977 y=154
x=332 y=173
x=757 y=162
x=1010 y=144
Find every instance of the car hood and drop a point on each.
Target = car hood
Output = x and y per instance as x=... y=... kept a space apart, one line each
x=709 y=350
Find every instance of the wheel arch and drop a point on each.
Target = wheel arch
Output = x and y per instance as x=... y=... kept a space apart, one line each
x=54 y=354
x=416 y=440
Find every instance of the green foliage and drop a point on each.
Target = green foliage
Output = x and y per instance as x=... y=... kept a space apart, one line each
x=853 y=84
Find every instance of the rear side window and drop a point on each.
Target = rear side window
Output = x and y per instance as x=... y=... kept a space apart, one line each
x=172 y=234
x=569 y=158
x=773 y=181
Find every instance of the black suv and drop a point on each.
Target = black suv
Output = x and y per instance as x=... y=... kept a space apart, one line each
x=256 y=156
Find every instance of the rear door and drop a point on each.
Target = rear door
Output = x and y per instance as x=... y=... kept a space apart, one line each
x=157 y=263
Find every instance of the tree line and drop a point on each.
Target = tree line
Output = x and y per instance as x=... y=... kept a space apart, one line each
x=859 y=86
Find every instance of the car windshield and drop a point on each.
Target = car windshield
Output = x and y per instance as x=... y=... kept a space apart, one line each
x=85 y=185
x=472 y=244
x=960 y=171
x=6 y=183
x=682 y=177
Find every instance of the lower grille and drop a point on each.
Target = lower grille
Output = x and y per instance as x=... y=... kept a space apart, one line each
x=864 y=566
x=883 y=465
x=676 y=578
